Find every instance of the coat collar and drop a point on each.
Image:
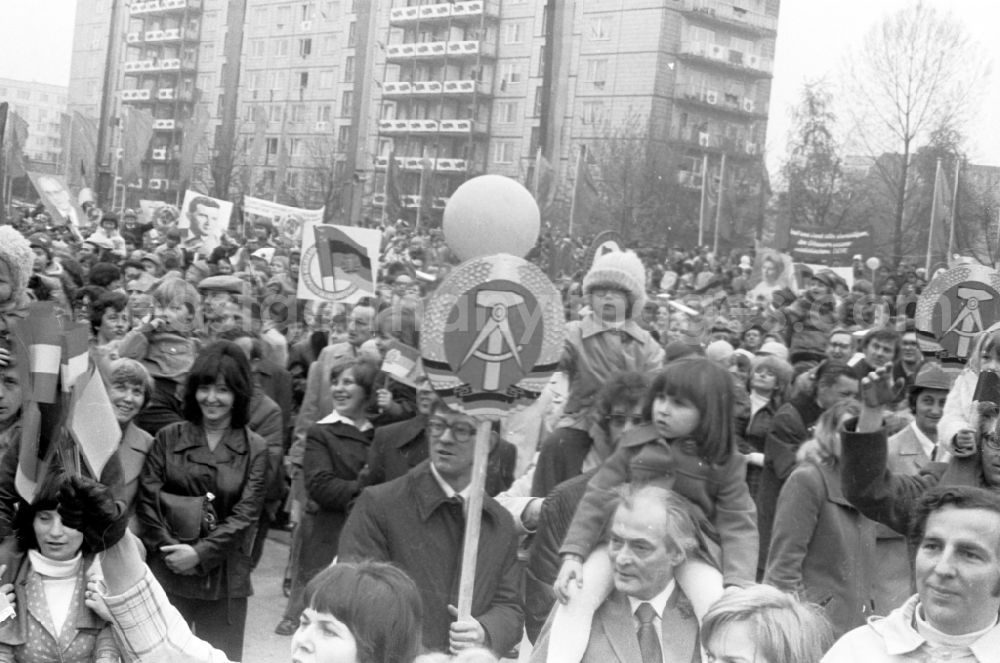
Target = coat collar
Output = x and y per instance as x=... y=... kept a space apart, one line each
x=678 y=634
x=591 y=326
x=428 y=496
x=901 y=638
x=193 y=439
x=413 y=430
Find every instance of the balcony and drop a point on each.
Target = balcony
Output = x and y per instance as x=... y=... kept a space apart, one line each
x=161 y=36
x=433 y=50
x=411 y=201
x=159 y=184
x=165 y=124
x=176 y=64
x=727 y=59
x=135 y=95
x=159 y=154
x=462 y=127
x=723 y=13
x=443 y=165
x=709 y=99
x=398 y=89
x=689 y=179
x=153 y=7
x=407 y=126
x=140 y=66
x=738 y=147
x=470 y=10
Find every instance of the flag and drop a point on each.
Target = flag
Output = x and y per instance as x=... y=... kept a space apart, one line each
x=82 y=149
x=585 y=192
x=259 y=134
x=937 y=240
x=136 y=135
x=543 y=182
x=336 y=251
x=17 y=138
x=194 y=132
x=44 y=351
x=92 y=423
x=402 y=362
x=426 y=201
x=4 y=110
x=281 y=168
x=75 y=355
x=393 y=198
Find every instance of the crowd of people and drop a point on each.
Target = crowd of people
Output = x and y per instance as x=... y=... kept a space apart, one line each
x=738 y=459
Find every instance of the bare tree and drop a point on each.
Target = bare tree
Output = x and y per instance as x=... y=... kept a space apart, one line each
x=917 y=70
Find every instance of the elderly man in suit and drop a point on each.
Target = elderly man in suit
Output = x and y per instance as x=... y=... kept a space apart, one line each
x=909 y=451
x=647 y=618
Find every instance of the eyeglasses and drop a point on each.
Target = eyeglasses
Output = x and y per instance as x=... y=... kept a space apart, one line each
x=460 y=430
x=622 y=419
x=991 y=442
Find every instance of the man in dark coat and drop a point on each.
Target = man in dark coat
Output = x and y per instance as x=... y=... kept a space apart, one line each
x=417 y=523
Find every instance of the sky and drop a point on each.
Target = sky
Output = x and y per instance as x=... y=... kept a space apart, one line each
x=814 y=36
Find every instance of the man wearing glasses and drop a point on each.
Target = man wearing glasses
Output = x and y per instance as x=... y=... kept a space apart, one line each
x=418 y=522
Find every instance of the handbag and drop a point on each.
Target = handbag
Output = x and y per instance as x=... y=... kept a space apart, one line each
x=189 y=517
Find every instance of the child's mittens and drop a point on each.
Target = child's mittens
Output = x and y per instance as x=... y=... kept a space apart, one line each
x=964 y=443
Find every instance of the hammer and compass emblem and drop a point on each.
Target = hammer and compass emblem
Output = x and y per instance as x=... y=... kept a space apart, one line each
x=495 y=334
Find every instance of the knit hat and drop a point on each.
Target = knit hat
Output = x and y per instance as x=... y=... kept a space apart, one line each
x=619 y=269
x=16 y=252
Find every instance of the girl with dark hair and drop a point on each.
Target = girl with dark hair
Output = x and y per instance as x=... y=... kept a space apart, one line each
x=52 y=621
x=336 y=451
x=109 y=318
x=690 y=448
x=200 y=497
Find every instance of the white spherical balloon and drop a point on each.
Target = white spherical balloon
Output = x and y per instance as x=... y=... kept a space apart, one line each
x=873 y=263
x=491 y=214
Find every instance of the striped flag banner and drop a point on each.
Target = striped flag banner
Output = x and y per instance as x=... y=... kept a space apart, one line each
x=75 y=355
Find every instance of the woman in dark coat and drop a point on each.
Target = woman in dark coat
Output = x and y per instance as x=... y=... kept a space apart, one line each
x=200 y=497
x=767 y=386
x=336 y=451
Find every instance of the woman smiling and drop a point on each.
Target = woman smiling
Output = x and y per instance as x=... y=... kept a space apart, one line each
x=200 y=497
x=336 y=450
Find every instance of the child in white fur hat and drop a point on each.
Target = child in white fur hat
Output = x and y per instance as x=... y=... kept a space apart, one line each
x=16 y=261
x=605 y=341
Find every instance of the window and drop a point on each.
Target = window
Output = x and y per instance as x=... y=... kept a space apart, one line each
x=299 y=113
x=599 y=29
x=349 y=69
x=329 y=45
x=267 y=179
x=274 y=113
x=303 y=80
x=278 y=80
x=284 y=17
x=344 y=136
x=272 y=146
x=295 y=147
x=292 y=179
x=326 y=79
x=593 y=112
x=347 y=103
x=507 y=112
x=24 y=94
x=279 y=48
x=308 y=11
x=513 y=33
x=324 y=113
x=260 y=16
x=351 y=36
x=541 y=61
x=305 y=47
x=510 y=73
x=597 y=70
x=537 y=110
x=257 y=48
x=503 y=151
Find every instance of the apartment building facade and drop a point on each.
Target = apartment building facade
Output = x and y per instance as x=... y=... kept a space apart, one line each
x=42 y=106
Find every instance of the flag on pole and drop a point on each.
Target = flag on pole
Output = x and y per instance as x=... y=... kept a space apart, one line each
x=338 y=252
x=75 y=354
x=402 y=362
x=44 y=352
x=136 y=136
x=937 y=240
x=82 y=149
x=194 y=133
x=17 y=138
x=585 y=191
x=543 y=182
x=393 y=198
x=92 y=422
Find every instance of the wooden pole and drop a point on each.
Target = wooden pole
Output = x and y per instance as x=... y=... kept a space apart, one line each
x=704 y=198
x=718 y=206
x=473 y=520
x=930 y=236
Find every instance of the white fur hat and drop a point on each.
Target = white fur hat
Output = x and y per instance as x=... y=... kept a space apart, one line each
x=620 y=269
x=16 y=252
